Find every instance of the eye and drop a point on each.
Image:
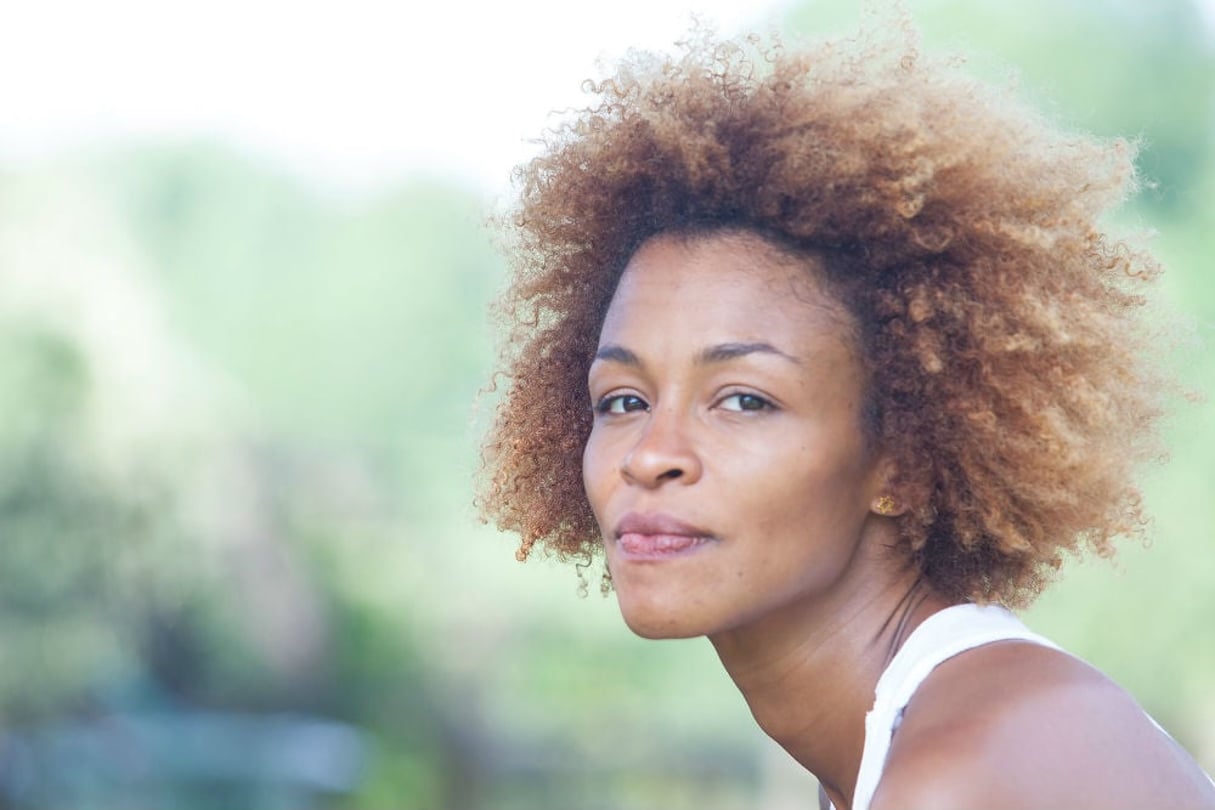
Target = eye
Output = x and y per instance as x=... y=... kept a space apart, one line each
x=745 y=402
x=621 y=403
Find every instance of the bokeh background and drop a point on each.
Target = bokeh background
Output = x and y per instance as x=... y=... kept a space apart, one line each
x=244 y=271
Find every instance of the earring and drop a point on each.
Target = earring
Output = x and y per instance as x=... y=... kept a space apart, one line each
x=885 y=505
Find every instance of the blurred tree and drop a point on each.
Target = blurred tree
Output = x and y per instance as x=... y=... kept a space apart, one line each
x=1113 y=67
x=158 y=554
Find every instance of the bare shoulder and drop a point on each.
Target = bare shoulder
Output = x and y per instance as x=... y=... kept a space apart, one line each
x=1018 y=725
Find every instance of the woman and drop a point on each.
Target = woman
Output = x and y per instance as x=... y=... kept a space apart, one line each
x=830 y=354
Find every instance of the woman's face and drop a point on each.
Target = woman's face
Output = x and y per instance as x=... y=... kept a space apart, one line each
x=727 y=467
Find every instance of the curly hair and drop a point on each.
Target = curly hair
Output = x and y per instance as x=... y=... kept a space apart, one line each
x=998 y=316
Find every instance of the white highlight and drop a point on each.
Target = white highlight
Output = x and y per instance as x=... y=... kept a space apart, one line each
x=357 y=96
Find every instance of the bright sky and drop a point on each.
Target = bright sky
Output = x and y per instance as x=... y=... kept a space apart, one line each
x=356 y=93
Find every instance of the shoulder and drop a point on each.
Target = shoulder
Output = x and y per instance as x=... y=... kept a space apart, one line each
x=1019 y=725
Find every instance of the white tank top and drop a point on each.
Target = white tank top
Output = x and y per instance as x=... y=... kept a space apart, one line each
x=938 y=638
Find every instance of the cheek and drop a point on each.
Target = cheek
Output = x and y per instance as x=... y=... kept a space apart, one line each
x=805 y=493
x=595 y=471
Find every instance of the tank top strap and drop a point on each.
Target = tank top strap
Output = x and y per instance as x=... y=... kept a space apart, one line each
x=938 y=638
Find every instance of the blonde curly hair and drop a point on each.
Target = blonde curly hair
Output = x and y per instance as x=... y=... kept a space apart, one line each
x=998 y=317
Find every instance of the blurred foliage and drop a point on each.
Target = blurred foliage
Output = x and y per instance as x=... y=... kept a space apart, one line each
x=1112 y=67
x=238 y=431
x=175 y=536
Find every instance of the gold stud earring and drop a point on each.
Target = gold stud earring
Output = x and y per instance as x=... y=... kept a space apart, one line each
x=884 y=505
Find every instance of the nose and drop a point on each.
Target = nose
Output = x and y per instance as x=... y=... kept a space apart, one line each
x=663 y=452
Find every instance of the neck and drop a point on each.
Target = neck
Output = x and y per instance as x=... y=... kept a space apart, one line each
x=809 y=676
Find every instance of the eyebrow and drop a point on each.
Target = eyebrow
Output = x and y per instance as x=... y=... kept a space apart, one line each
x=729 y=351
x=719 y=353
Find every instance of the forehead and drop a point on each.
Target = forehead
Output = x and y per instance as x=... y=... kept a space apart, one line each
x=733 y=285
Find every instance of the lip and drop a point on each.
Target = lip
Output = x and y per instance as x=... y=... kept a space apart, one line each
x=658 y=537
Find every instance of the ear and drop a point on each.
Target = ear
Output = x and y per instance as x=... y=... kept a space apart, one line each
x=885 y=500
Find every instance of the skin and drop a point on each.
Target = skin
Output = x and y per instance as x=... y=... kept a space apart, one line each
x=1016 y=725
x=737 y=494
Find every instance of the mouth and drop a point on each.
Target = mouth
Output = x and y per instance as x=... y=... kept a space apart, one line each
x=658 y=537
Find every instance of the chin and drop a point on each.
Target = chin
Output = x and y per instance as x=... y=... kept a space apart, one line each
x=652 y=622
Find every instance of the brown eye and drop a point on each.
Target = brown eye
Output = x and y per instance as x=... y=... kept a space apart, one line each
x=621 y=403
x=745 y=402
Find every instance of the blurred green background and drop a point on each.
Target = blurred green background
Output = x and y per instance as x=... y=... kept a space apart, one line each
x=239 y=565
